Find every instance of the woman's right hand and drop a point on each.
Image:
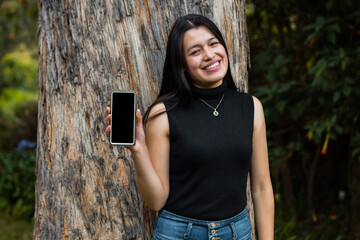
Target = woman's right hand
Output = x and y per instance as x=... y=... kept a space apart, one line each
x=139 y=130
x=108 y=121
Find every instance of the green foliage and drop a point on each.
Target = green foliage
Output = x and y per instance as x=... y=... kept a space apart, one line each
x=18 y=109
x=19 y=69
x=15 y=229
x=305 y=70
x=18 y=113
x=11 y=98
x=18 y=19
x=17 y=183
x=17 y=24
x=324 y=226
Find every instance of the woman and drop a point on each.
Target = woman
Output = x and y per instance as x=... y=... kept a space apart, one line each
x=202 y=138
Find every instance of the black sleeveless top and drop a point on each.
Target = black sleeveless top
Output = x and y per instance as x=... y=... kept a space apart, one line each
x=210 y=155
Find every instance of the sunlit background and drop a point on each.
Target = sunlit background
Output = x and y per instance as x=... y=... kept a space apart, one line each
x=305 y=70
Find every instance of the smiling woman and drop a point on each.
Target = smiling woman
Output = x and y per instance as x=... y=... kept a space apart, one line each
x=206 y=59
x=202 y=139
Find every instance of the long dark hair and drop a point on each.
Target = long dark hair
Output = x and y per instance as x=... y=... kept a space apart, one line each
x=175 y=88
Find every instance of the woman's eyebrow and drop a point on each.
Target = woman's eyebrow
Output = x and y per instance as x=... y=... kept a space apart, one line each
x=198 y=45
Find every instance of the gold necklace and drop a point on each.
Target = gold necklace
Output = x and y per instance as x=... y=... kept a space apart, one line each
x=216 y=113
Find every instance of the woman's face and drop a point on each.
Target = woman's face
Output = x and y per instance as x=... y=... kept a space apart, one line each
x=205 y=58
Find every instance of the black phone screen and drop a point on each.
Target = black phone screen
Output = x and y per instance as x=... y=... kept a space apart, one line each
x=123 y=118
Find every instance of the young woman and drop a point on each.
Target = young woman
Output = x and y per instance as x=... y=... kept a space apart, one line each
x=202 y=138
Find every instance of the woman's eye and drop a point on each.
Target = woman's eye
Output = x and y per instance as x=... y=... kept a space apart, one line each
x=195 y=52
x=214 y=43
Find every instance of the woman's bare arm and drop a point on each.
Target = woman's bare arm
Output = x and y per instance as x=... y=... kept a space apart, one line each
x=261 y=187
x=151 y=157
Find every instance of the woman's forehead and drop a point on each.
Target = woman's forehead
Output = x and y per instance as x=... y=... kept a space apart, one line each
x=197 y=35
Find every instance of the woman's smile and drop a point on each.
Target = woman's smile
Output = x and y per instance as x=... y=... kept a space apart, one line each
x=213 y=66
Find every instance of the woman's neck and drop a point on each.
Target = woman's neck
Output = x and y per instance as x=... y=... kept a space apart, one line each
x=208 y=92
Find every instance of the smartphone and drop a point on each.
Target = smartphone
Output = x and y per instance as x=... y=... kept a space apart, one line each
x=123 y=110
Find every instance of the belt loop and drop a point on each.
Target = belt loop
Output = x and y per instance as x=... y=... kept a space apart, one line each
x=188 y=230
x=233 y=230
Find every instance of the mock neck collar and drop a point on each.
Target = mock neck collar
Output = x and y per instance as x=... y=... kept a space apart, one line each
x=208 y=92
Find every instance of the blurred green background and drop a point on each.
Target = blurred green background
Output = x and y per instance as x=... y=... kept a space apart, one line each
x=18 y=117
x=304 y=69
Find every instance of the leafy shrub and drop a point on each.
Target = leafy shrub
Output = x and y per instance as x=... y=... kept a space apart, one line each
x=19 y=69
x=26 y=120
x=17 y=183
x=18 y=114
x=305 y=58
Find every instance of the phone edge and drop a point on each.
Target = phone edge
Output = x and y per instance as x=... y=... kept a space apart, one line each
x=134 y=123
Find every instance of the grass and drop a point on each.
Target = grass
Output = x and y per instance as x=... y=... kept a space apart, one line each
x=15 y=229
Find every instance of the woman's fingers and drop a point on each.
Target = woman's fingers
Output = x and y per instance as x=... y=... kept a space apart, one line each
x=140 y=135
x=107 y=130
x=108 y=119
x=138 y=123
x=138 y=118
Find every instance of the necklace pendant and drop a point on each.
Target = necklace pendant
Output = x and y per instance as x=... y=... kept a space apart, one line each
x=216 y=113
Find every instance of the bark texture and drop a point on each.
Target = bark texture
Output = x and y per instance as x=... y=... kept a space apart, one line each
x=86 y=188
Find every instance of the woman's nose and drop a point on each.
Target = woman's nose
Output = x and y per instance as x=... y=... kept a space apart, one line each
x=208 y=54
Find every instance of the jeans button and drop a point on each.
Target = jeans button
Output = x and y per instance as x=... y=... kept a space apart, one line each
x=213 y=224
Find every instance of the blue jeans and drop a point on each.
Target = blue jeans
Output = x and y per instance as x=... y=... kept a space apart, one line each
x=169 y=226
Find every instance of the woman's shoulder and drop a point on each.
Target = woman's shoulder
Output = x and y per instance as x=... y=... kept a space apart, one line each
x=244 y=96
x=259 y=119
x=251 y=102
x=254 y=104
x=158 y=121
x=157 y=109
x=254 y=101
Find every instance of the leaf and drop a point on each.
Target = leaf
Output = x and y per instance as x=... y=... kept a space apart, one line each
x=335 y=27
x=310 y=62
x=320 y=21
x=332 y=38
x=310 y=135
x=309 y=27
x=355 y=14
x=343 y=65
x=336 y=96
x=311 y=37
x=347 y=91
x=280 y=105
x=285 y=87
x=338 y=129
x=329 y=5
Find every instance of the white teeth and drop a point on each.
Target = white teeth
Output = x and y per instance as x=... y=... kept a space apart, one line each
x=212 y=66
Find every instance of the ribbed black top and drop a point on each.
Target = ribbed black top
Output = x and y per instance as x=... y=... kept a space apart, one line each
x=209 y=155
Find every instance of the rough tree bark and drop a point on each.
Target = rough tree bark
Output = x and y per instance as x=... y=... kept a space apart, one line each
x=86 y=188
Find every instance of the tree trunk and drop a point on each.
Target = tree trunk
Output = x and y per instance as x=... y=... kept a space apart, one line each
x=86 y=188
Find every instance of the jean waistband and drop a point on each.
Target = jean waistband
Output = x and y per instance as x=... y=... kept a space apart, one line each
x=166 y=214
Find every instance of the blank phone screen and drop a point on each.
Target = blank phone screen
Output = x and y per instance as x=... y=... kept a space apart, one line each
x=123 y=118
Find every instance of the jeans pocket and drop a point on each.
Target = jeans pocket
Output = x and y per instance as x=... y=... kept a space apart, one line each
x=248 y=237
x=169 y=229
x=241 y=229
